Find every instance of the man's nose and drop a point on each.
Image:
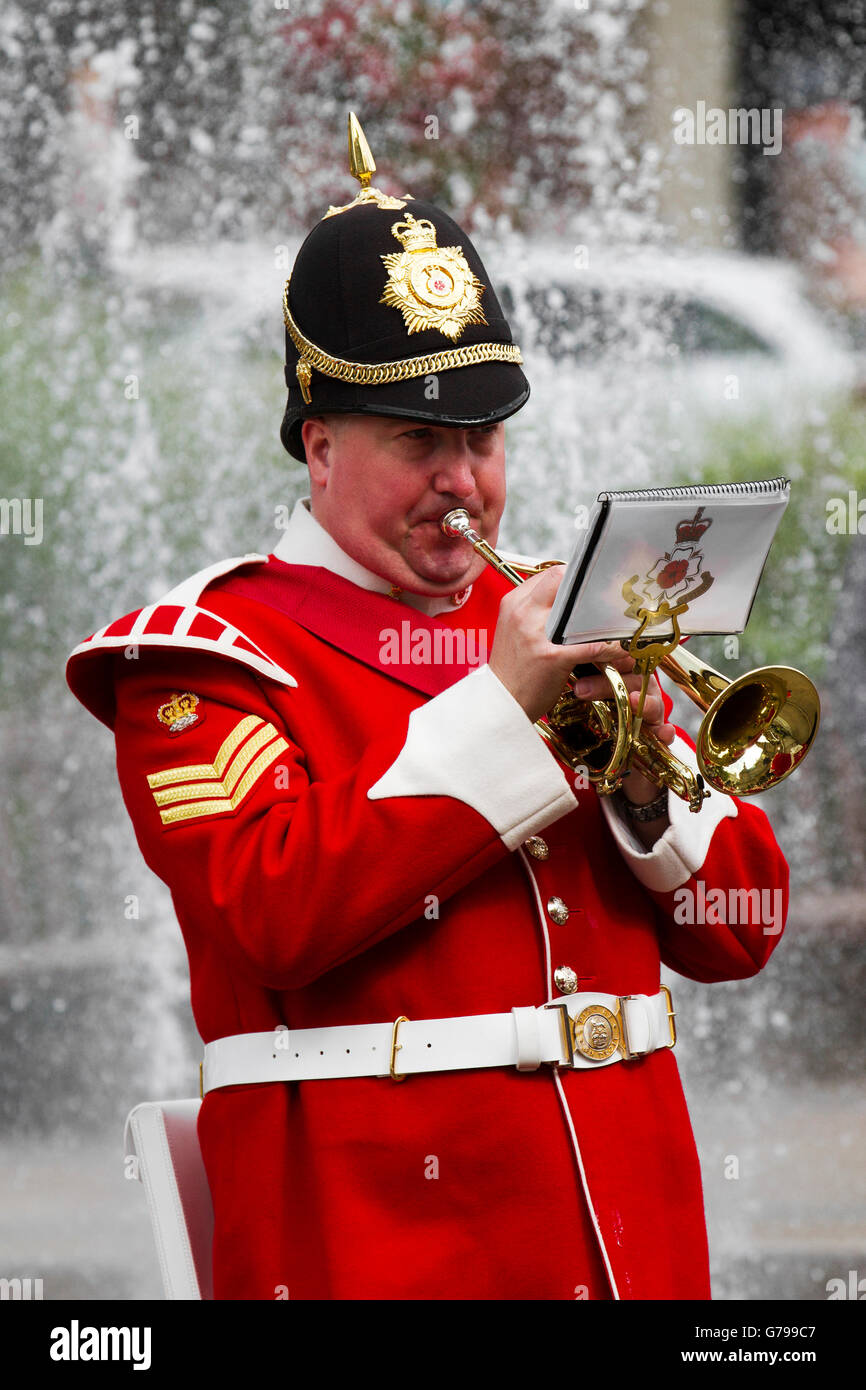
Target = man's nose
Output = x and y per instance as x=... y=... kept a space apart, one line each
x=454 y=472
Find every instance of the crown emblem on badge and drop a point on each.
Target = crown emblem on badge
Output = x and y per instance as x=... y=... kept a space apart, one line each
x=415 y=235
x=179 y=712
x=431 y=285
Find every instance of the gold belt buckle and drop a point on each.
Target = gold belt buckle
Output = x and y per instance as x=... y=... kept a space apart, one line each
x=395 y=1047
x=595 y=1033
x=628 y=1054
x=672 y=1027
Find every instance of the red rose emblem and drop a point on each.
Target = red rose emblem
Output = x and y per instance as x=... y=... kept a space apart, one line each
x=673 y=573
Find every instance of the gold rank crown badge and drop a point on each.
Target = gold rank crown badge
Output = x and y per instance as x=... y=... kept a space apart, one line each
x=180 y=712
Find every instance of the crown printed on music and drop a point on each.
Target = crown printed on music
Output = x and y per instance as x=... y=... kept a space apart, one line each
x=693 y=530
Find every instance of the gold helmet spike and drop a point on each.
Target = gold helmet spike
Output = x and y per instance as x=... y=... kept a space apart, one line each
x=362 y=166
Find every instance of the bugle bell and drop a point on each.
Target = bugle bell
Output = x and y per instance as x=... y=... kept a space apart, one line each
x=756 y=729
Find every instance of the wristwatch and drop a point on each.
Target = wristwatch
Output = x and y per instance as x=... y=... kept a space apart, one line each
x=651 y=811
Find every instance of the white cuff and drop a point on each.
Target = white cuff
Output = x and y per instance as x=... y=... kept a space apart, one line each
x=474 y=742
x=680 y=852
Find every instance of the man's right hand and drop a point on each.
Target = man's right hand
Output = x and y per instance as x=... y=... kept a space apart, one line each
x=535 y=670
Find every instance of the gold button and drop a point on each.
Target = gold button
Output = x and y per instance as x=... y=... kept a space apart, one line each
x=558 y=911
x=565 y=979
x=538 y=848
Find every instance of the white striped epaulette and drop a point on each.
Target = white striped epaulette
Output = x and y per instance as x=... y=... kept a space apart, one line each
x=193 y=628
x=175 y=621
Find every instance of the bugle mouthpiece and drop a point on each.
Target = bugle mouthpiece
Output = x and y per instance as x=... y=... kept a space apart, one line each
x=457 y=522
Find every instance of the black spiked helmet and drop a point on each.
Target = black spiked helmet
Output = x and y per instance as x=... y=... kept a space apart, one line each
x=389 y=311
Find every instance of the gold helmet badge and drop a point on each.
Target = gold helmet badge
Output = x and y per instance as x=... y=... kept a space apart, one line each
x=431 y=285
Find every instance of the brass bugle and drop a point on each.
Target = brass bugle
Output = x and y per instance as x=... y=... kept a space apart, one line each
x=756 y=729
x=586 y=734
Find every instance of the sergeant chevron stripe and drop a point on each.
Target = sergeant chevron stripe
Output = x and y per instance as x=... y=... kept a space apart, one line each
x=207 y=789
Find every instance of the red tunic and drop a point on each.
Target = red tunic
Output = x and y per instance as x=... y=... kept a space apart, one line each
x=358 y=869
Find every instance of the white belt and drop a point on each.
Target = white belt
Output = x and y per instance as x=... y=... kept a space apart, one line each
x=580 y=1030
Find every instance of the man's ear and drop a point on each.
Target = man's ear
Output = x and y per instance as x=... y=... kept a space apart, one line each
x=317 y=434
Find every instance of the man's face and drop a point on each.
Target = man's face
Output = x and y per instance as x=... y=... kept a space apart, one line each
x=379 y=487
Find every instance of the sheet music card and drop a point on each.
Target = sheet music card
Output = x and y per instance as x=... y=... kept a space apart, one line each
x=704 y=546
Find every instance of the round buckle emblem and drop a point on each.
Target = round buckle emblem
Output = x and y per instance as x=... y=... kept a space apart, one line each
x=596 y=1033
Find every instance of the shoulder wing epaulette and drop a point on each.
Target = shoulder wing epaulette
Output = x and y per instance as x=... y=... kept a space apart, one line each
x=176 y=621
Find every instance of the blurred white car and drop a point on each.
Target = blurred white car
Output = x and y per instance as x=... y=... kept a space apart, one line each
x=708 y=317
x=688 y=323
x=638 y=364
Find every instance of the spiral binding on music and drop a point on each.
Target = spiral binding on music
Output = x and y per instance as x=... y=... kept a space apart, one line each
x=674 y=494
